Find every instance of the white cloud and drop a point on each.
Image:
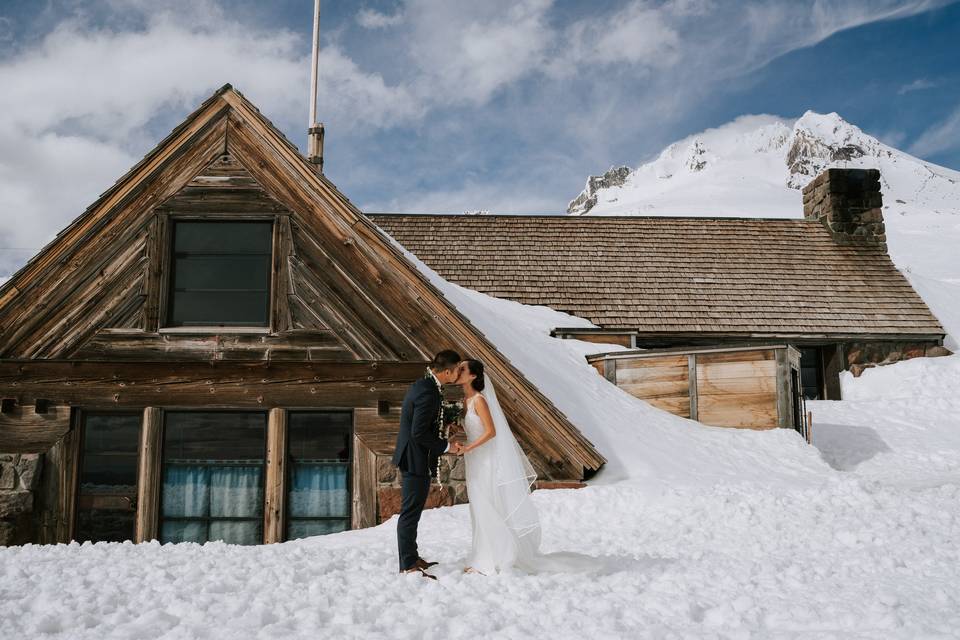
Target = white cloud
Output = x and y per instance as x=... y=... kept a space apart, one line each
x=638 y=34
x=467 y=51
x=83 y=105
x=942 y=136
x=920 y=84
x=372 y=19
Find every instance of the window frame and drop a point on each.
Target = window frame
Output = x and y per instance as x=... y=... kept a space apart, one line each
x=207 y=519
x=79 y=451
x=166 y=266
x=289 y=464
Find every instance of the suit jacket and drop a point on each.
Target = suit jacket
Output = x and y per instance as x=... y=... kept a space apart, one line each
x=418 y=443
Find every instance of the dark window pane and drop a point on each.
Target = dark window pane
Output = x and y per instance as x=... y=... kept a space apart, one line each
x=213 y=476
x=107 y=492
x=220 y=273
x=223 y=273
x=222 y=237
x=204 y=308
x=811 y=373
x=319 y=463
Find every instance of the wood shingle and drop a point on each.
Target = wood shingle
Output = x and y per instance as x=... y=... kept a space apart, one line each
x=674 y=274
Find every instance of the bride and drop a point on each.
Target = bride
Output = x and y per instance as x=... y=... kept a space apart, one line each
x=506 y=526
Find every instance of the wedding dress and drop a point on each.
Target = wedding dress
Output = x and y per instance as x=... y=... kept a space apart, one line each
x=506 y=526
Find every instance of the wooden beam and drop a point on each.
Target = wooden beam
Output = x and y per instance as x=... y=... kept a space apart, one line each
x=149 y=475
x=25 y=431
x=692 y=378
x=222 y=384
x=610 y=370
x=67 y=480
x=364 y=508
x=275 y=490
x=784 y=397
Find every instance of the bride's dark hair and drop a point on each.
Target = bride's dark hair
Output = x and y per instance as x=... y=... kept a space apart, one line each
x=475 y=367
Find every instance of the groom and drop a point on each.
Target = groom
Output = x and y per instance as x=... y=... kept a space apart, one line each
x=419 y=446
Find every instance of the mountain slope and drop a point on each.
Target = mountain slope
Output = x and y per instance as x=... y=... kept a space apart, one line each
x=756 y=166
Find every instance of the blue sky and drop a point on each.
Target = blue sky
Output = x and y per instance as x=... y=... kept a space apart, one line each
x=447 y=105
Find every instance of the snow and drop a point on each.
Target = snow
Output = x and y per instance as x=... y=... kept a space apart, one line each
x=711 y=533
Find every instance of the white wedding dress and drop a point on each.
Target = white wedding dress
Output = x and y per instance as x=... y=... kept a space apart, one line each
x=506 y=526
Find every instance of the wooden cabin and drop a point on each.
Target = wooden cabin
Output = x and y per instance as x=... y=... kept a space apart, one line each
x=747 y=387
x=217 y=349
x=823 y=284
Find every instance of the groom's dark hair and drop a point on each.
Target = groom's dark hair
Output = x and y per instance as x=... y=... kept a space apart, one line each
x=446 y=359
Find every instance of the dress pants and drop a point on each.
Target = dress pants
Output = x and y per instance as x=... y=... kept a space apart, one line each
x=413 y=496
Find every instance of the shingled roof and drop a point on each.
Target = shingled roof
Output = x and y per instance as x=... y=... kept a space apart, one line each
x=670 y=275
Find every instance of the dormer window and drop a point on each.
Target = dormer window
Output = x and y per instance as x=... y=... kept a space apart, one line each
x=220 y=274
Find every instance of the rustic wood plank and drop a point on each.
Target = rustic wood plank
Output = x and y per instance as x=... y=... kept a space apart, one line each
x=755 y=411
x=657 y=389
x=781 y=387
x=25 y=431
x=678 y=405
x=48 y=497
x=220 y=384
x=693 y=385
x=644 y=362
x=68 y=480
x=149 y=476
x=363 y=512
x=275 y=489
x=609 y=370
x=735 y=356
x=108 y=345
x=734 y=386
x=653 y=374
x=707 y=373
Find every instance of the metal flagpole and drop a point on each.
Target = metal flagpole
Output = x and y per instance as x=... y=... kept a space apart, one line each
x=314 y=128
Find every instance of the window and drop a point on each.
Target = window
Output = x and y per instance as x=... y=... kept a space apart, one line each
x=319 y=461
x=213 y=468
x=811 y=372
x=107 y=491
x=220 y=274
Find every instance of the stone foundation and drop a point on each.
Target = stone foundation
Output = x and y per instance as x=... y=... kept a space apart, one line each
x=19 y=480
x=863 y=355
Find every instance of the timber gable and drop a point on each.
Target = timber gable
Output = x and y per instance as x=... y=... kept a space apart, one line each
x=342 y=295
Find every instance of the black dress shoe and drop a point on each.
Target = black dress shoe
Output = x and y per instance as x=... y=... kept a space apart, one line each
x=420 y=571
x=423 y=564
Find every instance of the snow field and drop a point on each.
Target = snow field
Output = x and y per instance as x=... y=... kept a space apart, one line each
x=849 y=559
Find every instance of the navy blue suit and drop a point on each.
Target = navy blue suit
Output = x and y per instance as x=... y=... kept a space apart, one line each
x=419 y=445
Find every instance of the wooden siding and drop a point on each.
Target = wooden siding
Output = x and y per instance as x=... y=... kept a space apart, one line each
x=663 y=382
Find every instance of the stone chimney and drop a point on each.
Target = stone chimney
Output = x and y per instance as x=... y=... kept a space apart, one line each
x=849 y=204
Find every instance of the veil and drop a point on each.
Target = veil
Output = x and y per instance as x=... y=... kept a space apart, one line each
x=514 y=476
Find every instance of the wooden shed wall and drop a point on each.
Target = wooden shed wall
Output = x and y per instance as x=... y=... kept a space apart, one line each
x=737 y=389
x=663 y=381
x=733 y=388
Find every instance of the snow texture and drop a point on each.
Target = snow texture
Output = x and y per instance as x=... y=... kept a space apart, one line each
x=708 y=532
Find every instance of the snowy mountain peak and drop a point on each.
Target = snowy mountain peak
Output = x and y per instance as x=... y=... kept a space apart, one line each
x=757 y=165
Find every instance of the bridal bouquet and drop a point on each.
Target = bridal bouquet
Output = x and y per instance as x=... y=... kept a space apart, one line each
x=451 y=413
